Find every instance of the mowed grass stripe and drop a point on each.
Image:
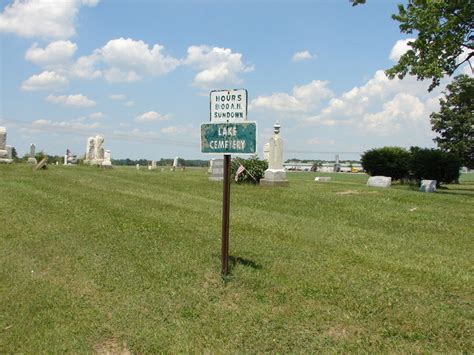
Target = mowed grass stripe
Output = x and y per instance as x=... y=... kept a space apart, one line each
x=314 y=271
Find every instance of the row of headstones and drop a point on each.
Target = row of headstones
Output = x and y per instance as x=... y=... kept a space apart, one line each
x=385 y=182
x=152 y=165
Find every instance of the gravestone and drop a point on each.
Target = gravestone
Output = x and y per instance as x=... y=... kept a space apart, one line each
x=137 y=166
x=175 y=164
x=65 y=159
x=107 y=162
x=9 y=150
x=266 y=152
x=428 y=186
x=5 y=157
x=322 y=178
x=217 y=173
x=379 y=181
x=42 y=164
x=275 y=175
x=211 y=163
x=95 y=150
x=31 y=158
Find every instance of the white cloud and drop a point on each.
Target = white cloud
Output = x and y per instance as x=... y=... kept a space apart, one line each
x=117 y=97
x=78 y=100
x=97 y=115
x=303 y=55
x=320 y=141
x=217 y=66
x=47 y=80
x=64 y=125
x=400 y=48
x=85 y=67
x=129 y=60
x=129 y=103
x=42 y=18
x=179 y=130
x=151 y=116
x=304 y=98
x=403 y=111
x=56 y=53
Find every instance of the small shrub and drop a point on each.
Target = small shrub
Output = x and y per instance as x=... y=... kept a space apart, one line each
x=254 y=169
x=386 y=161
x=434 y=164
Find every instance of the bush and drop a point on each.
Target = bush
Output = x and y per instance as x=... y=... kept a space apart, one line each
x=386 y=161
x=434 y=164
x=255 y=168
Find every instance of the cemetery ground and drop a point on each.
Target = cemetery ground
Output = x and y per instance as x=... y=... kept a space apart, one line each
x=124 y=260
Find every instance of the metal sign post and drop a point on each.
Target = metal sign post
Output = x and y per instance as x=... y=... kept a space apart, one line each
x=225 y=217
x=229 y=132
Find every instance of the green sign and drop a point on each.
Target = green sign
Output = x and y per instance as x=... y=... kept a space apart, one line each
x=227 y=138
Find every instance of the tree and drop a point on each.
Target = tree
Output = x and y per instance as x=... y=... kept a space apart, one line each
x=454 y=122
x=434 y=164
x=386 y=161
x=445 y=38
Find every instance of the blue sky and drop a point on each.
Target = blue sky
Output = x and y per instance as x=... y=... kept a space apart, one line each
x=140 y=72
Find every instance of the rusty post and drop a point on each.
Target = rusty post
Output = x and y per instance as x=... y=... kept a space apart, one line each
x=225 y=217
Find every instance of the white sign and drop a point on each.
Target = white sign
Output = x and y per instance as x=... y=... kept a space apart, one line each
x=229 y=105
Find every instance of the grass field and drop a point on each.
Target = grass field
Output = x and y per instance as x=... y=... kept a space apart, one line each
x=127 y=260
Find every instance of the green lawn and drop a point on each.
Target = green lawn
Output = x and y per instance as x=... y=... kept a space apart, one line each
x=127 y=260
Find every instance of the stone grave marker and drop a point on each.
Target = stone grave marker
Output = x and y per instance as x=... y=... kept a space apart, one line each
x=217 y=172
x=322 y=178
x=428 y=186
x=275 y=175
x=379 y=181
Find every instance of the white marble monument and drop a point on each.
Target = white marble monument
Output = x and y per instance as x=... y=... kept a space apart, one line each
x=107 y=162
x=266 y=152
x=5 y=156
x=95 y=150
x=379 y=181
x=175 y=164
x=217 y=170
x=428 y=186
x=31 y=158
x=275 y=175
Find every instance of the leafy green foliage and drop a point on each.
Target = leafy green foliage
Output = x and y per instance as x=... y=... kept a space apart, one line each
x=434 y=164
x=454 y=122
x=40 y=156
x=254 y=169
x=444 y=38
x=386 y=161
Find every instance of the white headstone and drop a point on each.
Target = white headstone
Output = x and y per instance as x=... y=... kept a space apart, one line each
x=31 y=158
x=138 y=166
x=428 y=185
x=217 y=173
x=266 y=152
x=107 y=162
x=4 y=154
x=65 y=159
x=322 y=178
x=175 y=164
x=379 y=181
x=275 y=174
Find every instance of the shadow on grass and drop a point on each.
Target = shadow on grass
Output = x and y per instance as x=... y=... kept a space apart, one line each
x=234 y=260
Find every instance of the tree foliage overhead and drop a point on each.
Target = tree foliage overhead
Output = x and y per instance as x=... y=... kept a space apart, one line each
x=445 y=38
x=454 y=122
